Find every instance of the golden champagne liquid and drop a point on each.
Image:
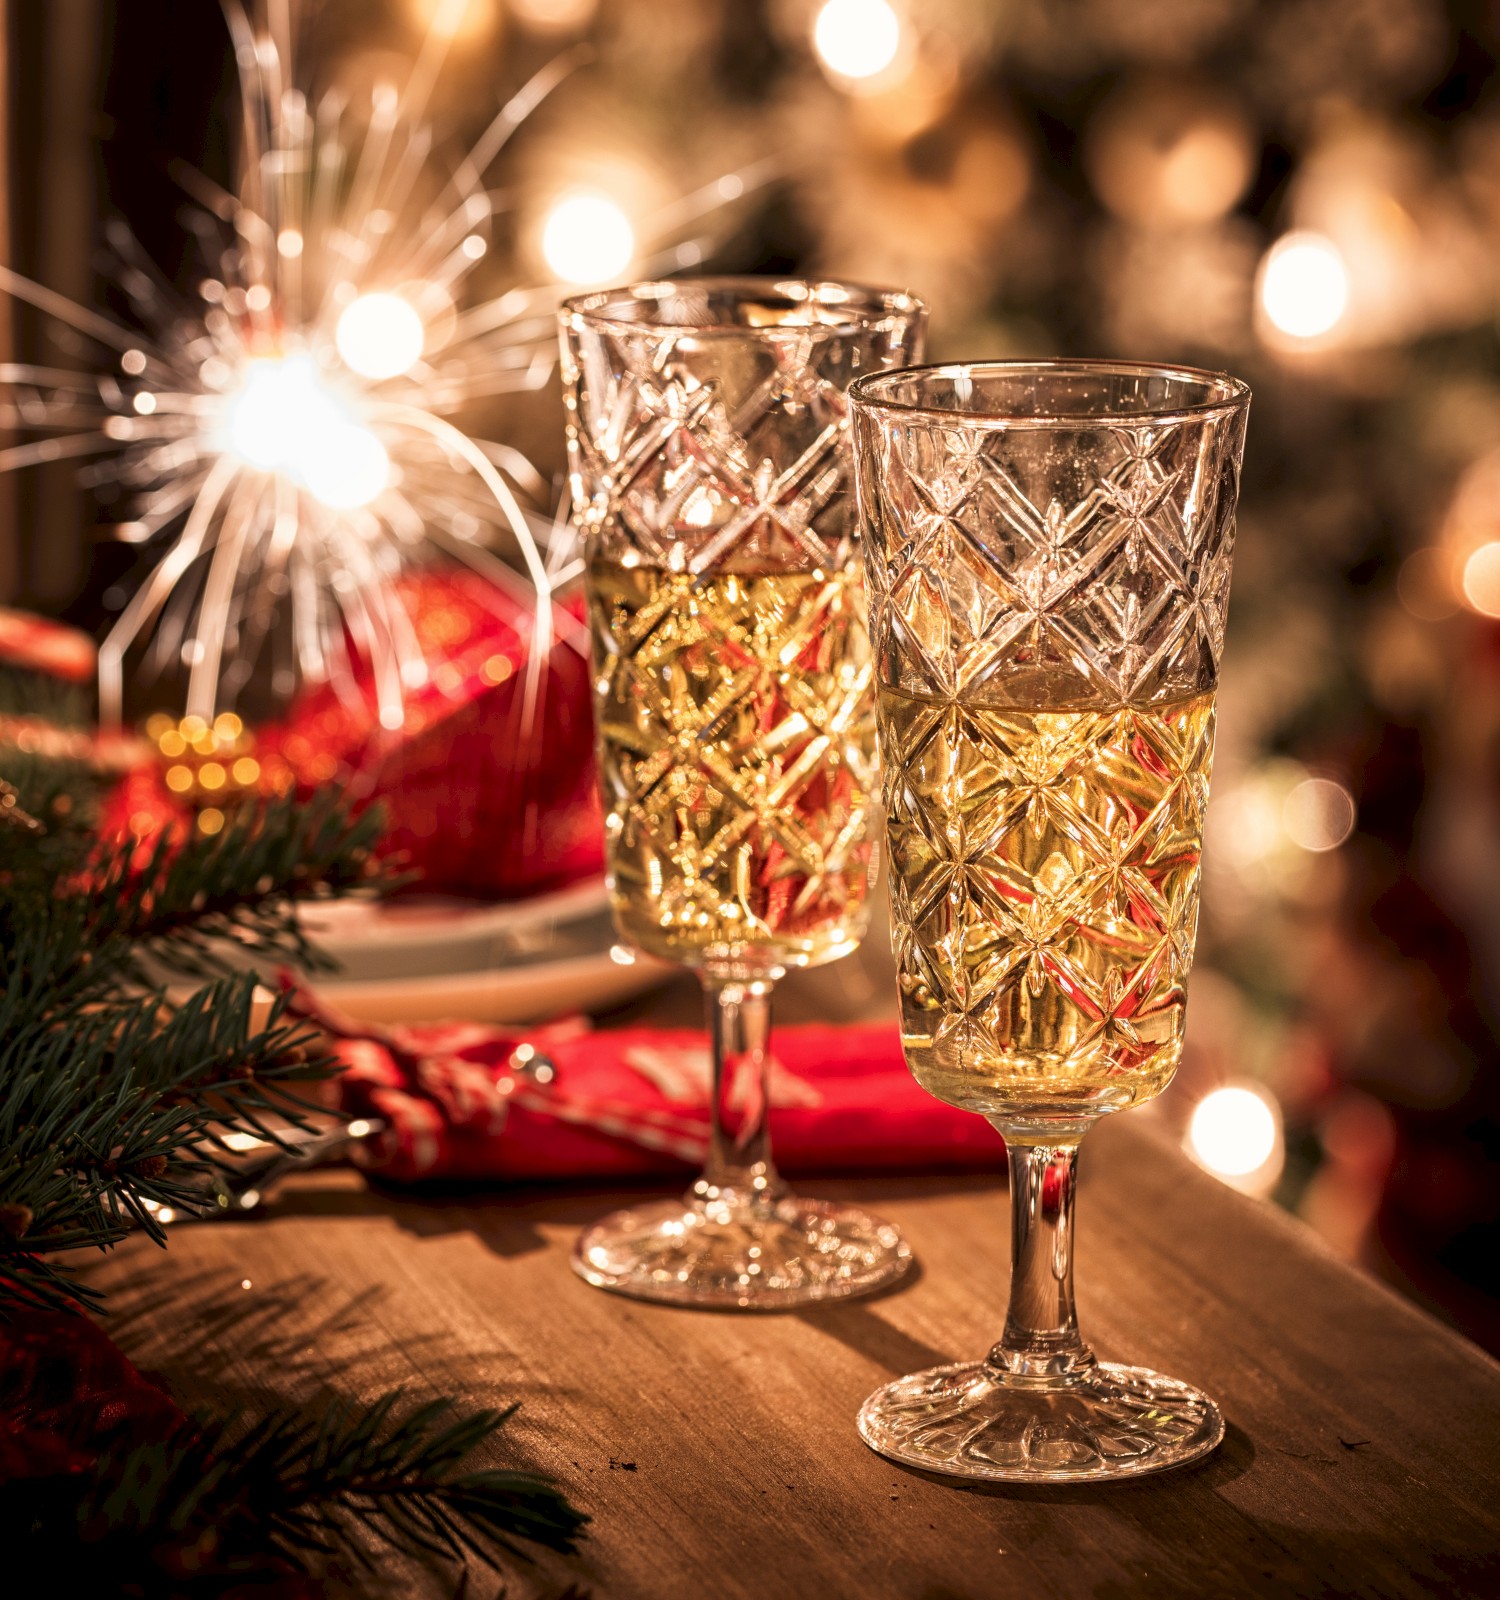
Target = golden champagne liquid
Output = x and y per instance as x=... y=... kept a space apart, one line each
x=1044 y=869
x=737 y=757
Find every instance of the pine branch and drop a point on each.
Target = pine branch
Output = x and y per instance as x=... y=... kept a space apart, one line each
x=41 y=697
x=208 y=1505
x=400 y=1478
x=203 y=908
x=116 y=1099
x=115 y=1095
x=114 y=1111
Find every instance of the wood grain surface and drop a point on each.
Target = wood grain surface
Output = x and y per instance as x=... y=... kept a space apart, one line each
x=717 y=1453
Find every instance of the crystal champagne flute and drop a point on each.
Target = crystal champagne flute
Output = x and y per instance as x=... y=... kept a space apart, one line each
x=734 y=692
x=1048 y=550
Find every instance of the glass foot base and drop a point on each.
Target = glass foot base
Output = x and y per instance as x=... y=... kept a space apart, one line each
x=974 y=1421
x=752 y=1258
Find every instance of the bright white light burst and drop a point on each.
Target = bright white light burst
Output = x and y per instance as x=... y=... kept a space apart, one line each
x=1304 y=285
x=857 y=39
x=380 y=336
x=1233 y=1132
x=292 y=443
x=587 y=239
x=284 y=418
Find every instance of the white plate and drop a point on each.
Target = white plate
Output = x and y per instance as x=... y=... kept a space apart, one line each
x=532 y=993
x=430 y=960
x=434 y=960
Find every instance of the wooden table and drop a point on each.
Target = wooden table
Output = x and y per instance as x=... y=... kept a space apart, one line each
x=717 y=1453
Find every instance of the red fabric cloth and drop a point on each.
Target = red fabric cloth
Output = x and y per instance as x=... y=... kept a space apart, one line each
x=632 y=1102
x=488 y=786
x=66 y=1393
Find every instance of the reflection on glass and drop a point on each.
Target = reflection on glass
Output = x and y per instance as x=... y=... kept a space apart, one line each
x=708 y=440
x=1049 y=552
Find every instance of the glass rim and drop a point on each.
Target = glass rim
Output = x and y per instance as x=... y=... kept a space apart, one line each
x=871 y=306
x=1233 y=393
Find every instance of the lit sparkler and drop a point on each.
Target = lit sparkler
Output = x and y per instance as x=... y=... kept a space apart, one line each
x=292 y=440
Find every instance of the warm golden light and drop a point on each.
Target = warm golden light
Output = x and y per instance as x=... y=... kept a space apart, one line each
x=455 y=19
x=553 y=16
x=1424 y=585
x=857 y=39
x=284 y=419
x=587 y=238
x=380 y=336
x=1482 y=579
x=1304 y=285
x=1234 y=1134
x=1318 y=814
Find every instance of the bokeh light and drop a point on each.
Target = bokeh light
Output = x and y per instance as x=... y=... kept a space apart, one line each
x=857 y=39
x=284 y=419
x=1482 y=579
x=1304 y=285
x=1424 y=585
x=1235 y=1133
x=553 y=16
x=587 y=238
x=455 y=19
x=380 y=336
x=1169 y=157
x=1318 y=814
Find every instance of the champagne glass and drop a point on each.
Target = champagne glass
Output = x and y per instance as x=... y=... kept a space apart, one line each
x=1049 y=549
x=734 y=692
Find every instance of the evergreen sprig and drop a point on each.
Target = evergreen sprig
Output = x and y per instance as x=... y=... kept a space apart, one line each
x=121 y=1104
x=216 y=1502
x=117 y=1088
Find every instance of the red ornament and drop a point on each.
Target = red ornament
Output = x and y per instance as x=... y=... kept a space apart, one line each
x=489 y=783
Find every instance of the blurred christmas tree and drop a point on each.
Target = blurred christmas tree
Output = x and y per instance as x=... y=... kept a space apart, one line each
x=1304 y=191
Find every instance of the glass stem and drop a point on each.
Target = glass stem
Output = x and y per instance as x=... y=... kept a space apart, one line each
x=1041 y=1338
x=739 y=1152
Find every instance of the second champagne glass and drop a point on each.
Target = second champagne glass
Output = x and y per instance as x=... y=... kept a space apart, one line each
x=734 y=691
x=1049 y=549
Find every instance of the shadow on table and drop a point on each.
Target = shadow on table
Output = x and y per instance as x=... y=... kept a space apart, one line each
x=1183 y=1515
x=1277 y=1561
x=302 y=1339
x=508 y=1221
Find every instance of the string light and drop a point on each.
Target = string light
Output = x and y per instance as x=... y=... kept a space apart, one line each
x=1304 y=285
x=1235 y=1133
x=857 y=39
x=380 y=336
x=587 y=238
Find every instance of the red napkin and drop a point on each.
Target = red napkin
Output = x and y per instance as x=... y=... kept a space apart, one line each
x=631 y=1102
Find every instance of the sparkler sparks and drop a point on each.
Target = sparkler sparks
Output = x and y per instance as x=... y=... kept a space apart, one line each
x=293 y=440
